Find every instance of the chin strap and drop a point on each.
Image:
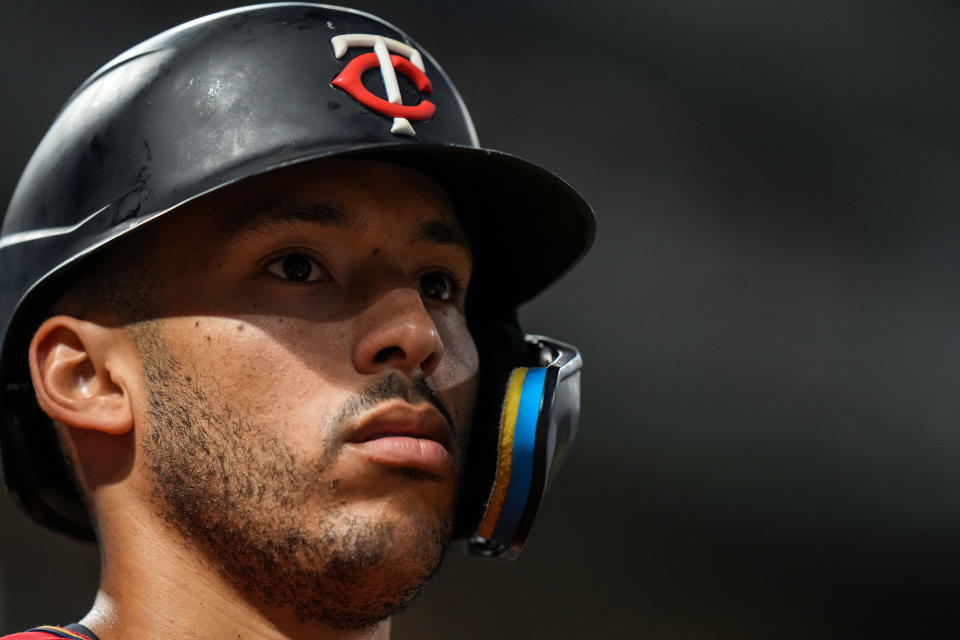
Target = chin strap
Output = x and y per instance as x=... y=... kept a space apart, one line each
x=538 y=422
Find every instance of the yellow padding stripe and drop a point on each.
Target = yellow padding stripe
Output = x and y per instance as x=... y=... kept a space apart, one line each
x=508 y=422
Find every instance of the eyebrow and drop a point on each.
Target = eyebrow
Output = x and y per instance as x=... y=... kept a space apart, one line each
x=439 y=232
x=260 y=221
x=331 y=214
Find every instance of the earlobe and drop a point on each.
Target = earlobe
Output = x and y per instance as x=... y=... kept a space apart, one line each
x=79 y=370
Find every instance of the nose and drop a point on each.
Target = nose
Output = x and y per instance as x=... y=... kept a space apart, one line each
x=397 y=332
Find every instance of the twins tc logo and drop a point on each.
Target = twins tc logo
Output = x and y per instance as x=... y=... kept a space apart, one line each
x=410 y=66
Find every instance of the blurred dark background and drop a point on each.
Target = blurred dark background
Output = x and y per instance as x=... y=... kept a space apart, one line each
x=770 y=317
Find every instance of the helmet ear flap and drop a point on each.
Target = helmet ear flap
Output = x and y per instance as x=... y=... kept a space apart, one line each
x=501 y=347
x=534 y=401
x=37 y=477
x=35 y=472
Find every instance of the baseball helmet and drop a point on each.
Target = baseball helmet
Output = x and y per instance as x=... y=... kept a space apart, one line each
x=253 y=90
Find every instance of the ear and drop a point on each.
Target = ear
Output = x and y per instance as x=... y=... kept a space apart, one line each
x=80 y=372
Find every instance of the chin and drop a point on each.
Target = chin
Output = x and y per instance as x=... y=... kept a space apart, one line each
x=370 y=568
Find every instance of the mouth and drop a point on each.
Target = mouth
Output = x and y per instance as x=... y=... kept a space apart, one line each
x=402 y=435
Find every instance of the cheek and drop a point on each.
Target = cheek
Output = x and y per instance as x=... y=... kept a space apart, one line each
x=457 y=377
x=278 y=369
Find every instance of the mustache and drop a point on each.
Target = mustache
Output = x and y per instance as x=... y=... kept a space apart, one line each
x=394 y=386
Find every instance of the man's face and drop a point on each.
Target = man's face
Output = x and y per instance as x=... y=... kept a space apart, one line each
x=309 y=384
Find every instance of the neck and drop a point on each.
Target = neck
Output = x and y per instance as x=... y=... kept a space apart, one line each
x=156 y=586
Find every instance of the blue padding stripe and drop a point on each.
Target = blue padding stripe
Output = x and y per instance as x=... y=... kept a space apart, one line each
x=524 y=444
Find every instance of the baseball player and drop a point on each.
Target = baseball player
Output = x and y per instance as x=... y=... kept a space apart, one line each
x=258 y=287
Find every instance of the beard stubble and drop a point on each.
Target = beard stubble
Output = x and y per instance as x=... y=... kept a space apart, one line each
x=236 y=491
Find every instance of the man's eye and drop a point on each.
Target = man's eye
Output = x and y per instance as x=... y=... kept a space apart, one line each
x=298 y=267
x=438 y=286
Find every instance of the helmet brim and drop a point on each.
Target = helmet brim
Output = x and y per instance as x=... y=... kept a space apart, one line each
x=527 y=227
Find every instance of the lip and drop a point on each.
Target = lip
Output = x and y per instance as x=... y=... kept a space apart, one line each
x=406 y=436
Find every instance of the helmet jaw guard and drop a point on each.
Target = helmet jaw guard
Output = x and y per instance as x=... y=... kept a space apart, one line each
x=225 y=98
x=541 y=411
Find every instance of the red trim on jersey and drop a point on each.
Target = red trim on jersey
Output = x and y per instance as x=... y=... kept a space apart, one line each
x=45 y=633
